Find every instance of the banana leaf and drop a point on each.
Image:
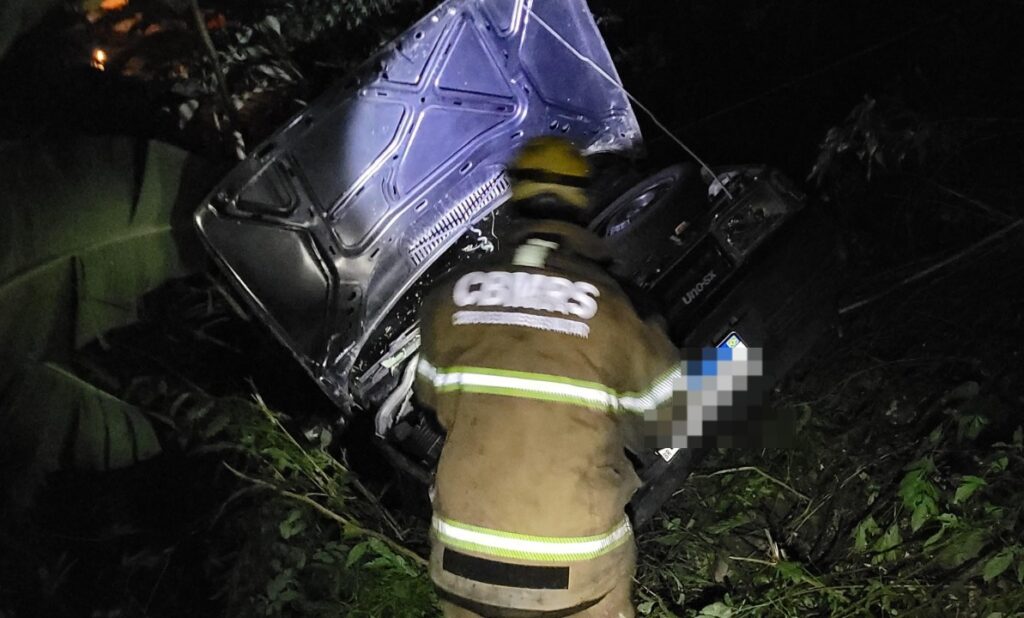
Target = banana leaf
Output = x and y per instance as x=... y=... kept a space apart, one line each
x=60 y=421
x=87 y=226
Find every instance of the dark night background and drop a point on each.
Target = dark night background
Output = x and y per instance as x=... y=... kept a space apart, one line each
x=904 y=121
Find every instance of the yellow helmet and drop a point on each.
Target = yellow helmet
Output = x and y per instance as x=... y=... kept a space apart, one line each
x=550 y=167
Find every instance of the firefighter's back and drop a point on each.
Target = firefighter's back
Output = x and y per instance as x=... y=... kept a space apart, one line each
x=527 y=358
x=539 y=369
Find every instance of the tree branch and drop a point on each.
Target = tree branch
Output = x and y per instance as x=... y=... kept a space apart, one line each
x=762 y=473
x=211 y=51
x=329 y=514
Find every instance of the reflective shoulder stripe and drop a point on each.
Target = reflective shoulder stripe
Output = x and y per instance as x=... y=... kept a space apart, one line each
x=426 y=369
x=519 y=318
x=546 y=387
x=656 y=394
x=520 y=384
x=525 y=547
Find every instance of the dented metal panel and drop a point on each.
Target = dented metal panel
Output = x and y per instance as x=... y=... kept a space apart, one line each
x=350 y=202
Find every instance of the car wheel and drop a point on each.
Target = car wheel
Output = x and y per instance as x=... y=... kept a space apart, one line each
x=643 y=199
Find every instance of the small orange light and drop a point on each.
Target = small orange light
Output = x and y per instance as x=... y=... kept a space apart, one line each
x=113 y=5
x=99 y=59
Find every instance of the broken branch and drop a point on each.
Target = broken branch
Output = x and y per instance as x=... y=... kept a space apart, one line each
x=328 y=513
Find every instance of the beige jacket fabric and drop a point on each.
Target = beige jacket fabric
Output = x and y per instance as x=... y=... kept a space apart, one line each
x=539 y=369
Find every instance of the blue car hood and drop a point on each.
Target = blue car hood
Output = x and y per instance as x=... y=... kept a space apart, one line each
x=326 y=224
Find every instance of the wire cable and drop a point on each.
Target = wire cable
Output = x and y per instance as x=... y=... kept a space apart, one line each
x=611 y=80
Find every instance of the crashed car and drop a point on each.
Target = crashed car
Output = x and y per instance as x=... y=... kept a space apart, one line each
x=333 y=228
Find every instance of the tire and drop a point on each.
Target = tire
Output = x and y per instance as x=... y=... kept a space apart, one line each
x=644 y=200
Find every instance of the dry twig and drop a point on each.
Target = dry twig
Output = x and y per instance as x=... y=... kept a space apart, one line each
x=326 y=512
x=771 y=478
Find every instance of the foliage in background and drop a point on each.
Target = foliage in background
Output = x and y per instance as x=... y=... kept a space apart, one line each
x=267 y=58
x=936 y=535
x=243 y=513
x=306 y=552
x=144 y=66
x=304 y=21
x=886 y=138
x=904 y=497
x=89 y=225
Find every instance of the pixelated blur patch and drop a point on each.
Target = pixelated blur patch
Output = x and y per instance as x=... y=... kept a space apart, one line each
x=718 y=401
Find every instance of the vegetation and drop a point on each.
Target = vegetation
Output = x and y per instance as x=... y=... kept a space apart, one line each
x=191 y=469
x=89 y=225
x=235 y=516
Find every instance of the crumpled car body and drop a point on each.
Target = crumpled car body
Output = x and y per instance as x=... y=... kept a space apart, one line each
x=329 y=222
x=331 y=230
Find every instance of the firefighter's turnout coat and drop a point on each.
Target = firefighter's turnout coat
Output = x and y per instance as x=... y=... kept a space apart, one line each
x=540 y=370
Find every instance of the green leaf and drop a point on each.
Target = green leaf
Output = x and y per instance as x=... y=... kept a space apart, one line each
x=796 y=573
x=740 y=519
x=88 y=226
x=323 y=556
x=863 y=533
x=968 y=485
x=277 y=585
x=994 y=511
x=924 y=510
x=81 y=238
x=216 y=425
x=357 y=552
x=995 y=565
x=383 y=563
x=381 y=548
x=948 y=521
x=292 y=525
x=919 y=494
x=970 y=426
x=644 y=609
x=935 y=538
x=288 y=595
x=888 y=541
x=50 y=416
x=671 y=524
x=962 y=547
x=716 y=610
x=791 y=571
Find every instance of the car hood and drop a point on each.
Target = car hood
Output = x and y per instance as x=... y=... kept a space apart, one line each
x=326 y=224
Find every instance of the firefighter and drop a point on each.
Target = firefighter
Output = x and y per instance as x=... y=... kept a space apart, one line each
x=540 y=370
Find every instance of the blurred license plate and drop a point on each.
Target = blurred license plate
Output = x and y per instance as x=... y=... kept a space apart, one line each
x=732 y=341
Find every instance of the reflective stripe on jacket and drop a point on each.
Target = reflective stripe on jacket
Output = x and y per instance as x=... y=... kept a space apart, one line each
x=496 y=543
